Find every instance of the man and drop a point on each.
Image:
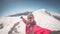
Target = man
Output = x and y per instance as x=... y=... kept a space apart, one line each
x=32 y=27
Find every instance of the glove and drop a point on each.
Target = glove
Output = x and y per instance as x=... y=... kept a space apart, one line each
x=21 y=17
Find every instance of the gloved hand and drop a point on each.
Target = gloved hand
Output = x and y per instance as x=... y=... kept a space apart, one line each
x=21 y=17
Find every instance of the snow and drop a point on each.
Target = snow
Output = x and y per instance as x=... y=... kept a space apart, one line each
x=42 y=19
x=46 y=21
x=9 y=22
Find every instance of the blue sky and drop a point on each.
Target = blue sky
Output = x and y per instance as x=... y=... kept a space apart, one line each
x=8 y=7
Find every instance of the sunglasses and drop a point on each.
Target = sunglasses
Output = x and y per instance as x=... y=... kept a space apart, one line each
x=30 y=18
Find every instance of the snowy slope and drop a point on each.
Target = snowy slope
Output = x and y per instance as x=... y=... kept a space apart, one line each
x=45 y=20
x=9 y=22
x=41 y=17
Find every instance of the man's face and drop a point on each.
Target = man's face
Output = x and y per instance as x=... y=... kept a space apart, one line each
x=30 y=19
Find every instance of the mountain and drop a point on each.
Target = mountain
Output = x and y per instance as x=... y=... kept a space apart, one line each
x=43 y=19
x=19 y=14
x=57 y=16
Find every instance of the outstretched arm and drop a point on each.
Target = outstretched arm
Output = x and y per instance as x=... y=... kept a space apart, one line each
x=24 y=20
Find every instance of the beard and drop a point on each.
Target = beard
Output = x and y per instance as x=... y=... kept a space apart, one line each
x=31 y=20
x=30 y=23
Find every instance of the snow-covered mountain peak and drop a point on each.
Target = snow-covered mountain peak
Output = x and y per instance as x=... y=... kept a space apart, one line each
x=44 y=20
x=42 y=11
